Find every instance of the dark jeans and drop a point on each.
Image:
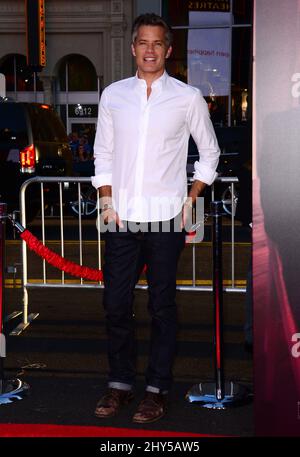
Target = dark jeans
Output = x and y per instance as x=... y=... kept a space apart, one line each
x=125 y=255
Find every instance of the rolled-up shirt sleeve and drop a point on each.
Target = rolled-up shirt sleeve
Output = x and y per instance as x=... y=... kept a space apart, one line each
x=203 y=133
x=103 y=146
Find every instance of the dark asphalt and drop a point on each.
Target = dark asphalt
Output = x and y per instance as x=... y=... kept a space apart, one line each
x=62 y=356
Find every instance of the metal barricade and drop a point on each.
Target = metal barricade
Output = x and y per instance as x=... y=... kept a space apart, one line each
x=79 y=182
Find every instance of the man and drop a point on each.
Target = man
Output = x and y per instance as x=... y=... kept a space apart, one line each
x=140 y=170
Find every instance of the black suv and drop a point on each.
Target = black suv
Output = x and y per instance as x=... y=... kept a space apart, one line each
x=33 y=141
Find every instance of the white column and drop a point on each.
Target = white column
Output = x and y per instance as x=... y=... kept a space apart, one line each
x=117 y=39
x=47 y=86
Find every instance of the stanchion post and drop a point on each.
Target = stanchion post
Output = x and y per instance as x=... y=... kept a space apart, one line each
x=216 y=212
x=12 y=389
x=2 y=251
x=218 y=394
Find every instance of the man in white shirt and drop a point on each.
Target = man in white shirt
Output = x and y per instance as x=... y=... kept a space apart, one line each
x=140 y=153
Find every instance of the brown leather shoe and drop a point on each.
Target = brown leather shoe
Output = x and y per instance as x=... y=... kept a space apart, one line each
x=151 y=408
x=111 y=402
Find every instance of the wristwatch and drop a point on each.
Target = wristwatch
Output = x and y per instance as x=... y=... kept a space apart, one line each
x=106 y=206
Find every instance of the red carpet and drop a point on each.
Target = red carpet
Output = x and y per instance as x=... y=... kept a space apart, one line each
x=51 y=430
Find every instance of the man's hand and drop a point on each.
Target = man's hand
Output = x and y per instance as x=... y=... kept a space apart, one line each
x=187 y=210
x=107 y=210
x=110 y=215
x=187 y=214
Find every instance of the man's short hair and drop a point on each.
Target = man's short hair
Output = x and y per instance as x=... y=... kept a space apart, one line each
x=154 y=20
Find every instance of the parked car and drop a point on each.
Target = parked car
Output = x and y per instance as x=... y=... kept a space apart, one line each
x=33 y=141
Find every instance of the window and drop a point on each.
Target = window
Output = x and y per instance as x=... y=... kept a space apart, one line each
x=18 y=76
x=77 y=73
x=212 y=51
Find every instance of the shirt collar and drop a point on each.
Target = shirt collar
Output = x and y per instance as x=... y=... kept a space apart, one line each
x=158 y=83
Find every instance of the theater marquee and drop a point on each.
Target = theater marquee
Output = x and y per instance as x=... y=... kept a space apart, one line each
x=220 y=6
x=35 y=34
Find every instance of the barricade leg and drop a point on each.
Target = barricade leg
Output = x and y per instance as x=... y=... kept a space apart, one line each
x=220 y=394
x=10 y=389
x=27 y=319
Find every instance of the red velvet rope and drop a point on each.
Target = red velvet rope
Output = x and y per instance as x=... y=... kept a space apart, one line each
x=58 y=261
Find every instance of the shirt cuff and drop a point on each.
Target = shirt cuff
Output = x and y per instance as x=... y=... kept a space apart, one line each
x=102 y=180
x=205 y=174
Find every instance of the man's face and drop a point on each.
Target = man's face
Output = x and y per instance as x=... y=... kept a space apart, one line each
x=150 y=50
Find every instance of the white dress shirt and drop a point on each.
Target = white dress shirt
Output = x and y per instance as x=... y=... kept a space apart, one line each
x=141 y=146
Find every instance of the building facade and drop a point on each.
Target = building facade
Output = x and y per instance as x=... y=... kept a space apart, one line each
x=87 y=48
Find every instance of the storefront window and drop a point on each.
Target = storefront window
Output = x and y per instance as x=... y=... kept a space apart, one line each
x=242 y=11
x=212 y=51
x=241 y=76
x=177 y=12
x=19 y=77
x=80 y=72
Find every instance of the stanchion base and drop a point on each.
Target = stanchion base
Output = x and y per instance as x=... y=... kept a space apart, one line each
x=12 y=390
x=205 y=394
x=21 y=327
x=12 y=316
